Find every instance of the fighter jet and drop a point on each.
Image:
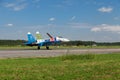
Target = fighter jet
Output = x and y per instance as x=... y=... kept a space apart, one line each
x=38 y=41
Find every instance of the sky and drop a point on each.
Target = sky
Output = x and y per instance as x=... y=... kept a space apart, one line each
x=87 y=20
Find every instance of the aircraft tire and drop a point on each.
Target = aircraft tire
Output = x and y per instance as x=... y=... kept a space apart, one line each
x=38 y=47
x=47 y=47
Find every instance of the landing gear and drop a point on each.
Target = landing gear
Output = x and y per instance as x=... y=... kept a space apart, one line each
x=47 y=47
x=38 y=47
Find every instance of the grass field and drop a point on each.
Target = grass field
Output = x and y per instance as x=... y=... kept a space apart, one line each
x=72 y=67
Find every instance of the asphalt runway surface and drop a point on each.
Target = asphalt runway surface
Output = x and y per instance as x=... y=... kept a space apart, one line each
x=51 y=53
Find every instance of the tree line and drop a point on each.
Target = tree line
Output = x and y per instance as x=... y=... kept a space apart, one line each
x=90 y=43
x=71 y=43
x=11 y=42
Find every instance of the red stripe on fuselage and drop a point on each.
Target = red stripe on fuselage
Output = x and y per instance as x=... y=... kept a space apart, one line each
x=52 y=39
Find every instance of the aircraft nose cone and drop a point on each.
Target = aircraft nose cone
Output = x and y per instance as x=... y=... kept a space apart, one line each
x=66 y=40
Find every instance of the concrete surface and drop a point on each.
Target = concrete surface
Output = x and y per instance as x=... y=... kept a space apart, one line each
x=52 y=53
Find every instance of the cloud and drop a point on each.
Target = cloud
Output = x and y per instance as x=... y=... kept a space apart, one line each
x=9 y=25
x=15 y=5
x=96 y=29
x=18 y=5
x=116 y=18
x=105 y=9
x=79 y=25
x=9 y=5
x=106 y=28
x=52 y=19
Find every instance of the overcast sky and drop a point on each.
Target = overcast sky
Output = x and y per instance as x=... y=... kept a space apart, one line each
x=97 y=20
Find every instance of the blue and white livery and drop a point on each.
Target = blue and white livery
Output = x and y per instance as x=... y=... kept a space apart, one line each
x=38 y=41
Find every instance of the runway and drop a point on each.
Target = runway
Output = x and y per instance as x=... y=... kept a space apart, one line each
x=51 y=53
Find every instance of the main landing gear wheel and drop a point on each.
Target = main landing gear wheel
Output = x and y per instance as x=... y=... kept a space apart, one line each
x=38 y=47
x=47 y=47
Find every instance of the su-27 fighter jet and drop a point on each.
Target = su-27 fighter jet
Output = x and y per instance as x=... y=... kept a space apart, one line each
x=38 y=41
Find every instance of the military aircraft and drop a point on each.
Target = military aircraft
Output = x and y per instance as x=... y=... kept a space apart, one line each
x=38 y=41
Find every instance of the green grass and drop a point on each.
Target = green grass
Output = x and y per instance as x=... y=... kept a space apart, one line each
x=69 y=67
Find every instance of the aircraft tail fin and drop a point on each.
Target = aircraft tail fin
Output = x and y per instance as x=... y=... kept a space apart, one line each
x=38 y=36
x=51 y=37
x=31 y=39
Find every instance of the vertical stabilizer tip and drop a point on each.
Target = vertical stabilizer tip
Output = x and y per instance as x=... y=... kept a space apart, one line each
x=29 y=33
x=37 y=32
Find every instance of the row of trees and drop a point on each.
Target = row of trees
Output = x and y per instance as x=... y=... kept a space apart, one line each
x=71 y=43
x=91 y=43
x=11 y=42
